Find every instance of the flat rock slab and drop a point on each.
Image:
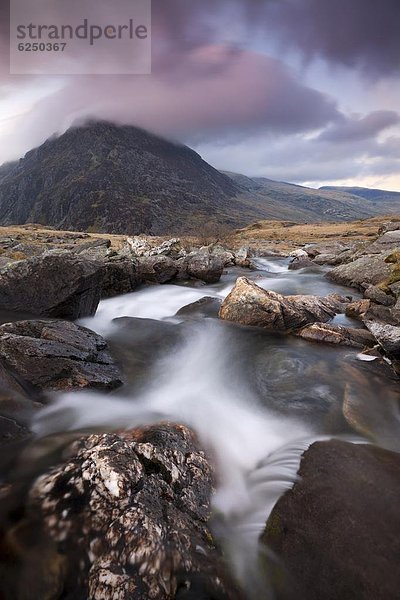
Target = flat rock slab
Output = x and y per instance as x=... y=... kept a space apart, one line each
x=56 y=284
x=127 y=515
x=338 y=529
x=337 y=334
x=249 y=304
x=57 y=355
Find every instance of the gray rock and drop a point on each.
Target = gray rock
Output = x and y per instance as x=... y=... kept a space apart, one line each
x=56 y=284
x=374 y=293
x=128 y=514
x=389 y=226
x=337 y=529
x=157 y=269
x=203 y=266
x=121 y=276
x=386 y=242
x=57 y=355
x=368 y=269
x=388 y=337
x=337 y=334
x=300 y=263
x=249 y=304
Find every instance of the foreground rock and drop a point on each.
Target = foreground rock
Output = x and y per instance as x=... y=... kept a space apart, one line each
x=56 y=284
x=249 y=304
x=337 y=529
x=337 y=334
x=388 y=336
x=128 y=519
x=57 y=355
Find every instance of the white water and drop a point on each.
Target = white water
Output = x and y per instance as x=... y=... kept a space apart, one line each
x=256 y=452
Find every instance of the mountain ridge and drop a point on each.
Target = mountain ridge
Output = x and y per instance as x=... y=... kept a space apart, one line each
x=122 y=179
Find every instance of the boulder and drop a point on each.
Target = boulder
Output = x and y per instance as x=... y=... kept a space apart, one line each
x=249 y=304
x=57 y=355
x=203 y=266
x=127 y=516
x=357 y=309
x=372 y=292
x=337 y=334
x=241 y=258
x=300 y=263
x=205 y=307
x=121 y=277
x=337 y=529
x=389 y=226
x=388 y=336
x=55 y=284
x=156 y=269
x=388 y=241
x=369 y=269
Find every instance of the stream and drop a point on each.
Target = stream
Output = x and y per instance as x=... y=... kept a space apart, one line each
x=256 y=400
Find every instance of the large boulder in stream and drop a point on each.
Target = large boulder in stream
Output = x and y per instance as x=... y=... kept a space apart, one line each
x=125 y=517
x=248 y=304
x=157 y=269
x=370 y=270
x=388 y=336
x=57 y=355
x=338 y=529
x=203 y=265
x=55 y=284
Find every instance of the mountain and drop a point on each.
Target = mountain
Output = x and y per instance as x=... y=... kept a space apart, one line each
x=120 y=179
x=383 y=200
x=287 y=201
x=103 y=177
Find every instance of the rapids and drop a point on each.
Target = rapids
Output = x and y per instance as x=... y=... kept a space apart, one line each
x=256 y=400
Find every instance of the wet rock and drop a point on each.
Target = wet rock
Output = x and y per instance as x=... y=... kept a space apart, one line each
x=369 y=269
x=241 y=258
x=138 y=343
x=129 y=512
x=337 y=334
x=383 y=314
x=374 y=293
x=121 y=277
x=300 y=263
x=357 y=309
x=388 y=336
x=205 y=307
x=157 y=269
x=57 y=355
x=336 y=529
x=56 y=284
x=203 y=265
x=249 y=304
x=373 y=415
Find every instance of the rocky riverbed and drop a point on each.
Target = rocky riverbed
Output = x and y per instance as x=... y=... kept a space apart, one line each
x=186 y=421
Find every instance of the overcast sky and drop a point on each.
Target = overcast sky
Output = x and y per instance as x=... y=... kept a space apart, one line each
x=306 y=91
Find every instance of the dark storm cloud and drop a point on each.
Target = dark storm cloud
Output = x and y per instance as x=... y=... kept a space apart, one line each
x=355 y=33
x=360 y=128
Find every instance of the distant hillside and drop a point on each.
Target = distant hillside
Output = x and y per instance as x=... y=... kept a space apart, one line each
x=286 y=201
x=120 y=179
x=382 y=199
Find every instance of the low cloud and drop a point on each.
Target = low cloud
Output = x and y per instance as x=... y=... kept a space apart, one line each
x=360 y=128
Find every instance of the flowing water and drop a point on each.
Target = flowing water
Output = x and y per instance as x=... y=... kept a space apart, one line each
x=256 y=400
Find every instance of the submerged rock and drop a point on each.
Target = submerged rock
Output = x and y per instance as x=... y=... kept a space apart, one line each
x=56 y=284
x=57 y=355
x=337 y=334
x=249 y=304
x=128 y=514
x=337 y=529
